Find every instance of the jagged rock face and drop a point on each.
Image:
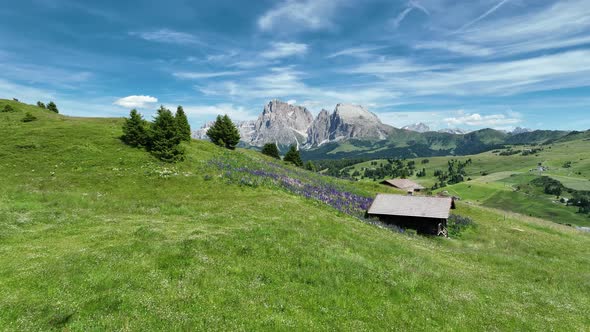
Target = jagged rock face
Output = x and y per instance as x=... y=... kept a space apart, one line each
x=281 y=123
x=246 y=129
x=417 y=127
x=347 y=121
x=319 y=131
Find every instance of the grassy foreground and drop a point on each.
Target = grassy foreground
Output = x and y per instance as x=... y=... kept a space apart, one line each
x=95 y=235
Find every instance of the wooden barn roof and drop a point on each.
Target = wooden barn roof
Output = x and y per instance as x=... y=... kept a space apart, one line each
x=411 y=206
x=403 y=184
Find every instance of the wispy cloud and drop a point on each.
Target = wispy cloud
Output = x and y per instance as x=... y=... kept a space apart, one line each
x=560 y=25
x=136 y=101
x=410 y=6
x=557 y=71
x=208 y=111
x=386 y=67
x=361 y=52
x=484 y=15
x=167 y=36
x=300 y=15
x=283 y=50
x=454 y=47
x=478 y=120
x=205 y=75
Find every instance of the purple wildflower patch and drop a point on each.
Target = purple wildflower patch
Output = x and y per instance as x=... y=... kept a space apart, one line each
x=305 y=185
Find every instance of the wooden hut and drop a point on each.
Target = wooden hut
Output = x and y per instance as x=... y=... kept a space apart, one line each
x=427 y=215
x=403 y=184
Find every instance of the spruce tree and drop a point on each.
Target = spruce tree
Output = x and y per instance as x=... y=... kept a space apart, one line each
x=40 y=104
x=184 y=129
x=224 y=132
x=164 y=141
x=134 y=130
x=52 y=107
x=293 y=156
x=270 y=149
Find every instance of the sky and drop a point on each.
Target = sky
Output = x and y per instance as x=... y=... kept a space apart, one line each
x=448 y=63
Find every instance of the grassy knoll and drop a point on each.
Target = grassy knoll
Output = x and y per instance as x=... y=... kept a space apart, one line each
x=95 y=235
x=497 y=181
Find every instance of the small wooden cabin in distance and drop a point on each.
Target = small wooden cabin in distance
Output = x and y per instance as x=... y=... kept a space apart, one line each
x=427 y=215
x=404 y=184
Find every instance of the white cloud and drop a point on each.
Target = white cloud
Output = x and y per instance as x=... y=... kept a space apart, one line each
x=455 y=47
x=300 y=15
x=208 y=111
x=478 y=120
x=393 y=66
x=136 y=101
x=484 y=15
x=204 y=75
x=562 y=24
x=283 y=50
x=360 y=52
x=411 y=6
x=167 y=36
x=556 y=71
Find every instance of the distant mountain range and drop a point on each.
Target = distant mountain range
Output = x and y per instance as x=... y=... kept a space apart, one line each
x=352 y=131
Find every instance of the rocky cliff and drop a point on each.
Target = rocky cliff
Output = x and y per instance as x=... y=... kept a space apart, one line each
x=347 y=121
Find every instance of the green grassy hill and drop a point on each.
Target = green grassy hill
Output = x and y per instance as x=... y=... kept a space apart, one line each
x=95 y=235
x=503 y=181
x=409 y=144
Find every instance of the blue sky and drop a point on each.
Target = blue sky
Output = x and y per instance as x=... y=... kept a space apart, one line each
x=448 y=63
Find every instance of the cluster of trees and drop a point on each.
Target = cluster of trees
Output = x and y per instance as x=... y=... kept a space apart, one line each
x=394 y=168
x=550 y=186
x=337 y=167
x=292 y=156
x=162 y=137
x=582 y=201
x=455 y=173
x=50 y=106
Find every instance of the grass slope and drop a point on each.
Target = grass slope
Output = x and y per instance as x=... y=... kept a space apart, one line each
x=489 y=172
x=95 y=235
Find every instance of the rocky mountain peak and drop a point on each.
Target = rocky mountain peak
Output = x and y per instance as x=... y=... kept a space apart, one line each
x=419 y=127
x=281 y=123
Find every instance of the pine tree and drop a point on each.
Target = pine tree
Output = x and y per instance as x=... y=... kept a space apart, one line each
x=311 y=167
x=184 y=129
x=164 y=141
x=134 y=130
x=224 y=132
x=52 y=107
x=40 y=104
x=270 y=149
x=293 y=156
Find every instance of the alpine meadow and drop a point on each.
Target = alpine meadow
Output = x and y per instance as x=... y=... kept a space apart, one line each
x=295 y=165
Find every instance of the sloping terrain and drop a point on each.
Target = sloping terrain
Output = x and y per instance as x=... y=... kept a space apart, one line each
x=95 y=235
x=503 y=181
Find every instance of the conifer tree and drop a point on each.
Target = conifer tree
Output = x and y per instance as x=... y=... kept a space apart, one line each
x=134 y=130
x=184 y=129
x=40 y=104
x=164 y=141
x=270 y=149
x=293 y=156
x=224 y=132
x=52 y=107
